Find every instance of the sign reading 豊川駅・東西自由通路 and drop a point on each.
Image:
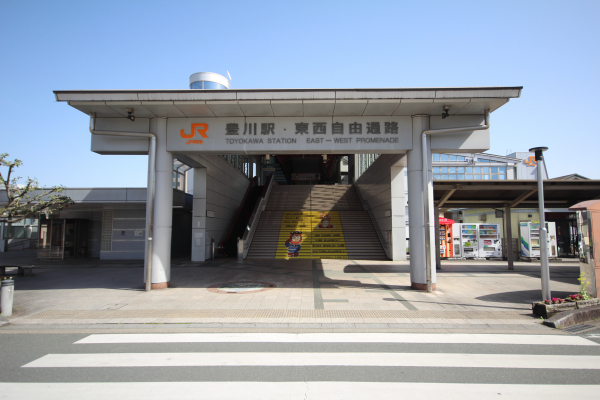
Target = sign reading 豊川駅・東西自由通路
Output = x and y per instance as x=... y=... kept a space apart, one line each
x=306 y=135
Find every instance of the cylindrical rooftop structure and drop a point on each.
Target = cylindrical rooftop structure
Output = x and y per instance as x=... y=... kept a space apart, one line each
x=208 y=80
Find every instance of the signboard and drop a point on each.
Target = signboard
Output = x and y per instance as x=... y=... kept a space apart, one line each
x=308 y=135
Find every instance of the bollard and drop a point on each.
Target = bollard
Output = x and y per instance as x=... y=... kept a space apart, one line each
x=6 y=296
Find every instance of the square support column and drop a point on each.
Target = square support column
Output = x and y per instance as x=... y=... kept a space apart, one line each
x=163 y=209
x=398 y=213
x=508 y=234
x=417 y=208
x=199 y=216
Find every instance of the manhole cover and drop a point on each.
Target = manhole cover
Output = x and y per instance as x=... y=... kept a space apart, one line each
x=241 y=287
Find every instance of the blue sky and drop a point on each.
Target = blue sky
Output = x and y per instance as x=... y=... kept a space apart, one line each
x=549 y=47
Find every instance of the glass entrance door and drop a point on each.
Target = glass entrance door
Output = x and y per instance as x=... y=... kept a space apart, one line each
x=51 y=241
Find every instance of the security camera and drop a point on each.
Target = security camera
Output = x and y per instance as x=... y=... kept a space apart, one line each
x=446 y=112
x=130 y=115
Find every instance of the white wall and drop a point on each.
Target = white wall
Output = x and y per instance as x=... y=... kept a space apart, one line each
x=224 y=191
x=375 y=188
x=523 y=170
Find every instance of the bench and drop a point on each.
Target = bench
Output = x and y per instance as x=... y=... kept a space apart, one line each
x=25 y=271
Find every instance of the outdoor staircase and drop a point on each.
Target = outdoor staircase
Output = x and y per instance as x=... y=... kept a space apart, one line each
x=300 y=208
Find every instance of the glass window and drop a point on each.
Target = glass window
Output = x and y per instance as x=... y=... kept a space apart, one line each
x=211 y=85
x=461 y=170
x=436 y=157
x=486 y=177
x=494 y=170
x=436 y=170
x=502 y=169
x=485 y=170
x=197 y=85
x=452 y=170
x=470 y=177
x=477 y=170
x=222 y=86
x=436 y=177
x=502 y=177
x=444 y=170
x=453 y=176
x=444 y=176
x=461 y=176
x=494 y=177
x=443 y=157
x=451 y=158
x=460 y=158
x=469 y=170
x=477 y=177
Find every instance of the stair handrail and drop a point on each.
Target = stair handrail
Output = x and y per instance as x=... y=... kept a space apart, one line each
x=256 y=213
x=366 y=206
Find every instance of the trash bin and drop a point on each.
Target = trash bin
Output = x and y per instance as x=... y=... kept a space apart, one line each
x=7 y=292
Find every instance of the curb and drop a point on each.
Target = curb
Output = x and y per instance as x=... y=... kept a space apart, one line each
x=573 y=317
x=4 y=321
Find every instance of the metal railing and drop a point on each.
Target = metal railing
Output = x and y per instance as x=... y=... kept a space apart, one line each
x=255 y=217
x=384 y=244
x=22 y=244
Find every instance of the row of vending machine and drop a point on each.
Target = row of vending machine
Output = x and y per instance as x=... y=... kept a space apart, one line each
x=484 y=240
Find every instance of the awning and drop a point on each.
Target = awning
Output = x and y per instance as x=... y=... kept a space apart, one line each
x=514 y=194
x=192 y=103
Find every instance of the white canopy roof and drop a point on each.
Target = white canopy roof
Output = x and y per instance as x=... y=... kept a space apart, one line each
x=288 y=102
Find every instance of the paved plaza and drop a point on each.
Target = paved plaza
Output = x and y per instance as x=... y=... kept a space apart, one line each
x=279 y=294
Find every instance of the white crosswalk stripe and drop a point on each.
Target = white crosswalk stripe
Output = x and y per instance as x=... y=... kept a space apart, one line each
x=338 y=338
x=316 y=359
x=316 y=366
x=291 y=391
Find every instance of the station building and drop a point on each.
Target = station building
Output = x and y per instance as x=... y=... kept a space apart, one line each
x=291 y=173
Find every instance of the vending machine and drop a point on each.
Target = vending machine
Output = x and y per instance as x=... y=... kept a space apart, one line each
x=456 y=232
x=490 y=244
x=469 y=241
x=552 y=242
x=530 y=238
x=446 y=249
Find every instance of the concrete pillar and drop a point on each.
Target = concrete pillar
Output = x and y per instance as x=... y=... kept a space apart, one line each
x=508 y=235
x=398 y=189
x=163 y=210
x=351 y=169
x=199 y=216
x=416 y=208
x=2 y=241
x=438 y=257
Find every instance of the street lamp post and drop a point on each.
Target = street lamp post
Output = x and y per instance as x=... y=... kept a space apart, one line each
x=539 y=158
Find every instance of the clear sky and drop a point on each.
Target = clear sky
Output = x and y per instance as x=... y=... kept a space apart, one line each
x=552 y=48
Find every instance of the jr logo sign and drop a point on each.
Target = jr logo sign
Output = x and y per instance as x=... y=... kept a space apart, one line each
x=530 y=161
x=200 y=128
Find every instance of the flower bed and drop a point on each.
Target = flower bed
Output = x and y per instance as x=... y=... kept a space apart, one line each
x=548 y=308
x=545 y=310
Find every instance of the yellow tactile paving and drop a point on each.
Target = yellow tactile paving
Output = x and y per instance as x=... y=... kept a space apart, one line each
x=311 y=234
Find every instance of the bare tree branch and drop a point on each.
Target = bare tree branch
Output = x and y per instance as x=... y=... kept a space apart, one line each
x=22 y=201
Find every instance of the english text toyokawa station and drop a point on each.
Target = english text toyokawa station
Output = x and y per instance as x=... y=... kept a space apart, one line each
x=265 y=166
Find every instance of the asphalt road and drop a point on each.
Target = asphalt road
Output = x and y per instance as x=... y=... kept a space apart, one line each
x=263 y=365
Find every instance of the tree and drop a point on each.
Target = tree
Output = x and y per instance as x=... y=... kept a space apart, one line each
x=21 y=201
